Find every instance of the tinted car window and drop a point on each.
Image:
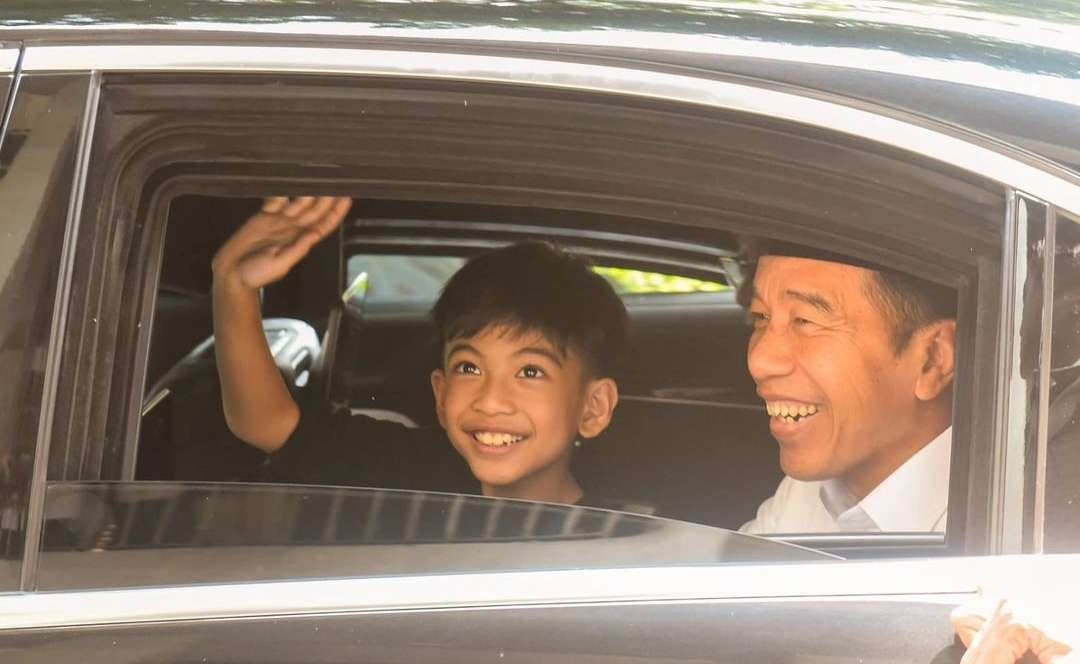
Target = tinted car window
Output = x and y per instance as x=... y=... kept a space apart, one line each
x=154 y=533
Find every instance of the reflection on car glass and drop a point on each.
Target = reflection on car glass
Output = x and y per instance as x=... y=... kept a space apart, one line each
x=149 y=517
x=119 y=515
x=399 y=278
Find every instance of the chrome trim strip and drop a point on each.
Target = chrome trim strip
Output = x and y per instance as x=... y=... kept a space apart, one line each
x=728 y=95
x=1007 y=479
x=1038 y=525
x=1044 y=86
x=828 y=579
x=862 y=539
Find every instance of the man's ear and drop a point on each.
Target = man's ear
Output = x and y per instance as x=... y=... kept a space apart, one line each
x=601 y=397
x=438 y=386
x=938 y=344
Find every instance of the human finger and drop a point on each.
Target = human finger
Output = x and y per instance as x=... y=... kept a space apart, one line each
x=292 y=253
x=298 y=205
x=319 y=208
x=274 y=204
x=1046 y=649
x=332 y=218
x=1001 y=640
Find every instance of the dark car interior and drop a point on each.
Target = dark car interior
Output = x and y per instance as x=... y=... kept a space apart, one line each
x=682 y=379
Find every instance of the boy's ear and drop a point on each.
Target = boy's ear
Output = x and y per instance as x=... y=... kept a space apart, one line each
x=601 y=397
x=938 y=354
x=438 y=383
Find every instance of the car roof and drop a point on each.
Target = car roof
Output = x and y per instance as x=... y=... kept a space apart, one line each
x=980 y=30
x=976 y=64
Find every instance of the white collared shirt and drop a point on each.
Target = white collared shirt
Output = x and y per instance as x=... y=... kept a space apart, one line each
x=913 y=499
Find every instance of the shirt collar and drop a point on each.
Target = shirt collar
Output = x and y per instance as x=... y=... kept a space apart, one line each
x=913 y=498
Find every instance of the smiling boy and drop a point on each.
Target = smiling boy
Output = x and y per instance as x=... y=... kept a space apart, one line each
x=528 y=338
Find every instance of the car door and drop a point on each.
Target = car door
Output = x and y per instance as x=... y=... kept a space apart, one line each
x=40 y=166
x=73 y=419
x=964 y=202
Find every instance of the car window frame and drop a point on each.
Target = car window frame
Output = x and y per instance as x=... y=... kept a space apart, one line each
x=156 y=208
x=161 y=202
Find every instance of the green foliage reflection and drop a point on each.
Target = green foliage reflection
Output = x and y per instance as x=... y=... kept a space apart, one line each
x=628 y=282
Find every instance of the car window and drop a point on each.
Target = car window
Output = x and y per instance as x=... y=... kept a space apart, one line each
x=691 y=438
x=628 y=281
x=381 y=281
x=378 y=279
x=165 y=533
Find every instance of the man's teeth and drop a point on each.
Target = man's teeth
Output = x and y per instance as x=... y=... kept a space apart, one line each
x=496 y=439
x=789 y=412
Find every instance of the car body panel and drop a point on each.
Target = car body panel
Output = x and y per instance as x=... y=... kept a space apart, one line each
x=1041 y=179
x=883 y=611
x=921 y=57
x=911 y=134
x=656 y=633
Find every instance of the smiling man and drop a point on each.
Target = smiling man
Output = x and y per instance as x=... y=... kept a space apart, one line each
x=855 y=366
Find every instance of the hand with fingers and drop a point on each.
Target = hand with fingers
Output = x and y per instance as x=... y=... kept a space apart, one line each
x=1002 y=639
x=273 y=240
x=258 y=407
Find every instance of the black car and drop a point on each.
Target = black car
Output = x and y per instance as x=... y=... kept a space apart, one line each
x=654 y=138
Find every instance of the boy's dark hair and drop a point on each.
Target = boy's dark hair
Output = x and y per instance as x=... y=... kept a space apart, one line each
x=909 y=303
x=534 y=286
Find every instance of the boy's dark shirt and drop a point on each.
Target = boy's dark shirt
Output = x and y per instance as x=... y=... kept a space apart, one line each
x=356 y=450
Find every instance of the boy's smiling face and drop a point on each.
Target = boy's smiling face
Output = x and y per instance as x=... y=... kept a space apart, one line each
x=512 y=404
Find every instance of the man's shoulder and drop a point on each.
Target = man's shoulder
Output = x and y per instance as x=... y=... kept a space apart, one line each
x=788 y=505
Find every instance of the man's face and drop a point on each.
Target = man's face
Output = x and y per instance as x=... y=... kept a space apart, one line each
x=512 y=405
x=821 y=353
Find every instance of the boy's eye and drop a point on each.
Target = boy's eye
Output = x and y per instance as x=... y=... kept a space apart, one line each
x=532 y=372
x=466 y=368
x=757 y=319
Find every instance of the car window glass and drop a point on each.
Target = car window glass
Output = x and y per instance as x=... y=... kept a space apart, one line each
x=1062 y=529
x=380 y=365
x=167 y=533
x=380 y=280
x=628 y=281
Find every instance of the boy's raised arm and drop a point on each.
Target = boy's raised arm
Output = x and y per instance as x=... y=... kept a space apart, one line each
x=258 y=407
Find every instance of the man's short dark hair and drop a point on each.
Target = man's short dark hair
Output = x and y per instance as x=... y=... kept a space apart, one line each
x=536 y=287
x=909 y=303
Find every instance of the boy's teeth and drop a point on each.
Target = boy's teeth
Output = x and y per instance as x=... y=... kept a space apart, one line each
x=493 y=439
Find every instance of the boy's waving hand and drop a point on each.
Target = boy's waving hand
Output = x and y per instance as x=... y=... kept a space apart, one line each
x=276 y=238
x=258 y=406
